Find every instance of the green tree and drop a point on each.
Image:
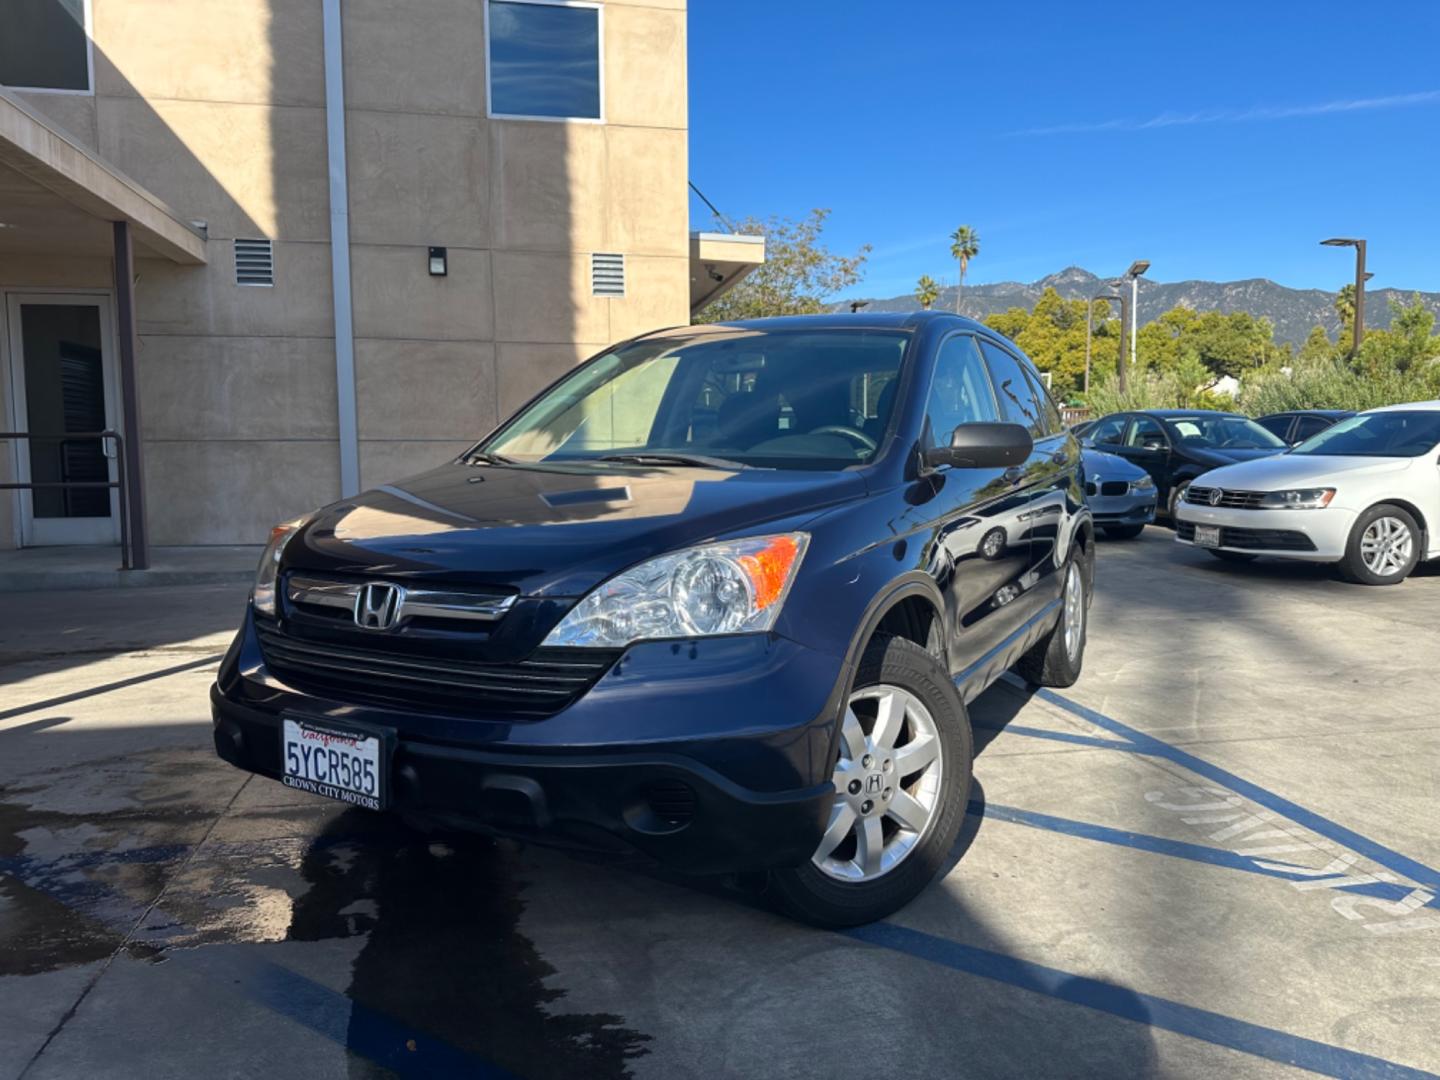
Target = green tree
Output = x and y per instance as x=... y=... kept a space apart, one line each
x=927 y=291
x=1053 y=335
x=964 y=246
x=800 y=275
x=1223 y=344
x=1345 y=308
x=1317 y=347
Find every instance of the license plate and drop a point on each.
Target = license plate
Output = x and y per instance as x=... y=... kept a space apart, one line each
x=1207 y=535
x=337 y=761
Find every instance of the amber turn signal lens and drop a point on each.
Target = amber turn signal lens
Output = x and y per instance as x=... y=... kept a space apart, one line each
x=769 y=569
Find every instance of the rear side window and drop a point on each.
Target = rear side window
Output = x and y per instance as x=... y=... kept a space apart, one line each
x=1054 y=425
x=1107 y=432
x=1278 y=425
x=960 y=391
x=1307 y=426
x=1014 y=390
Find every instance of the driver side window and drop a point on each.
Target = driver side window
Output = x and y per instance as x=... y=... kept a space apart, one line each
x=1107 y=432
x=959 y=391
x=1146 y=431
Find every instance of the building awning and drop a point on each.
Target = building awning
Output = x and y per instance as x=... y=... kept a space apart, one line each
x=719 y=262
x=57 y=198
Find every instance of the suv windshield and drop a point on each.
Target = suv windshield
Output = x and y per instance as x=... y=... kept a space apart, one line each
x=1379 y=434
x=1223 y=433
x=816 y=399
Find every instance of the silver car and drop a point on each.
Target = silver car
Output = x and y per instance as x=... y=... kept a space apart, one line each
x=1121 y=495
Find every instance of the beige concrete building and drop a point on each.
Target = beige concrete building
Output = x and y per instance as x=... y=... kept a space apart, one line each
x=291 y=248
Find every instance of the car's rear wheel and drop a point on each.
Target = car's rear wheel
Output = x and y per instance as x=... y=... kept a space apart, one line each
x=1123 y=532
x=902 y=778
x=1384 y=546
x=1056 y=659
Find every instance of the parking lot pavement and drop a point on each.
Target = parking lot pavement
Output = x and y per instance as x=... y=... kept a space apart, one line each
x=1213 y=856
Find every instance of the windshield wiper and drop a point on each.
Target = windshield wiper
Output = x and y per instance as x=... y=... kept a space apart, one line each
x=484 y=457
x=665 y=457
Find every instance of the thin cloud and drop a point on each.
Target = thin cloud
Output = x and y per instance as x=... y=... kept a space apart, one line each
x=1241 y=116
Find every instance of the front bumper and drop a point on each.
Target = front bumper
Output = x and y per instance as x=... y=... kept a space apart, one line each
x=1326 y=530
x=708 y=756
x=1123 y=509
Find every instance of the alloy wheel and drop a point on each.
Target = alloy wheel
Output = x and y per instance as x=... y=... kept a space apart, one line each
x=1386 y=546
x=1073 y=618
x=887 y=785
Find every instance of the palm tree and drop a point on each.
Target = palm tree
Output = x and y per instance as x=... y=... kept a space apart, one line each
x=927 y=291
x=964 y=246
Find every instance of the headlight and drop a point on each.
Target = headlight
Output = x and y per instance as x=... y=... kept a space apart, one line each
x=1145 y=483
x=263 y=593
x=1298 y=499
x=733 y=587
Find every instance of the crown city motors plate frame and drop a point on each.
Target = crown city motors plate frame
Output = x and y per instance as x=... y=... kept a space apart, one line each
x=346 y=762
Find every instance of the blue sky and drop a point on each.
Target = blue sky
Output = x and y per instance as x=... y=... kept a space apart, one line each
x=1220 y=140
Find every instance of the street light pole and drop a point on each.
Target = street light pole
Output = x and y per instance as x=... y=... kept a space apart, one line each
x=1090 y=327
x=1360 y=278
x=1137 y=268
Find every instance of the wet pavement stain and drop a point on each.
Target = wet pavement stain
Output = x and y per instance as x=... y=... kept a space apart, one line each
x=442 y=951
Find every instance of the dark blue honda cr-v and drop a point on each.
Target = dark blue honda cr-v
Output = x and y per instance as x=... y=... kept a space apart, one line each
x=718 y=596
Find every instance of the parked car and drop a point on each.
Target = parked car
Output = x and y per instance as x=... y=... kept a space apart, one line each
x=707 y=598
x=1176 y=445
x=1365 y=494
x=1121 y=495
x=1295 y=427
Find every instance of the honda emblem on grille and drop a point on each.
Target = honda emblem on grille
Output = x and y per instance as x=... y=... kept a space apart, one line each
x=1215 y=496
x=377 y=606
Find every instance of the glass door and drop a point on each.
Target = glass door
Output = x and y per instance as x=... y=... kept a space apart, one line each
x=62 y=375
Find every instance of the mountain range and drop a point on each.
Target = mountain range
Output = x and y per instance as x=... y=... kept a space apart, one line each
x=1293 y=311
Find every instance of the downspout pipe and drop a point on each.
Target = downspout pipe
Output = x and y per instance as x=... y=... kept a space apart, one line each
x=340 y=250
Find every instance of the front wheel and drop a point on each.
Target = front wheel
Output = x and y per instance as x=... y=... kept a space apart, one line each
x=1384 y=546
x=902 y=779
x=1177 y=493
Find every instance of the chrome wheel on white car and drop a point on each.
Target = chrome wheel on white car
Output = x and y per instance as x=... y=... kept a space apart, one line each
x=1384 y=546
x=887 y=784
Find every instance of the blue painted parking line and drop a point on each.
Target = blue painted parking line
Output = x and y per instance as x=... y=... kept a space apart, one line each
x=347 y=1023
x=1317 y=823
x=1178 y=849
x=1211 y=1027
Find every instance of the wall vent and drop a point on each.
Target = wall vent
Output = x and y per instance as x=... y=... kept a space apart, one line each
x=607 y=274
x=254 y=262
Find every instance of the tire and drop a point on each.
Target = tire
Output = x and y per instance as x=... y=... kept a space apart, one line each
x=836 y=888
x=1232 y=556
x=1056 y=659
x=1123 y=532
x=1384 y=546
x=1176 y=494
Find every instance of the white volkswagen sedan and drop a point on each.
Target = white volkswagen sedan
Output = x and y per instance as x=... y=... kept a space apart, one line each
x=1364 y=494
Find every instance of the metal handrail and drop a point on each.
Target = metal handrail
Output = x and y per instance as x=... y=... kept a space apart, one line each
x=127 y=552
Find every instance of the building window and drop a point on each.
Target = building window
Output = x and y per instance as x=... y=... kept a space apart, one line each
x=45 y=45
x=544 y=59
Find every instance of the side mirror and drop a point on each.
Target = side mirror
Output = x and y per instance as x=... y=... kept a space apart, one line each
x=983 y=446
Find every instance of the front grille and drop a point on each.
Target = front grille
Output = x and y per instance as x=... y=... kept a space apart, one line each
x=1253 y=539
x=540 y=685
x=1231 y=500
x=1108 y=488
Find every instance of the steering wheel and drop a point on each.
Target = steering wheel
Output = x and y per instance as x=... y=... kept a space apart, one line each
x=865 y=441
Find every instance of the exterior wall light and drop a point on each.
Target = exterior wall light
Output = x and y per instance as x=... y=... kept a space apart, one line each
x=438 y=262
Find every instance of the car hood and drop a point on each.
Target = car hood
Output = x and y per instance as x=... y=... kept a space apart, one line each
x=1297 y=470
x=1212 y=455
x=1109 y=466
x=546 y=530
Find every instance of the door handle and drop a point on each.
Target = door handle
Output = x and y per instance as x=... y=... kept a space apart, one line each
x=107 y=446
x=1014 y=474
